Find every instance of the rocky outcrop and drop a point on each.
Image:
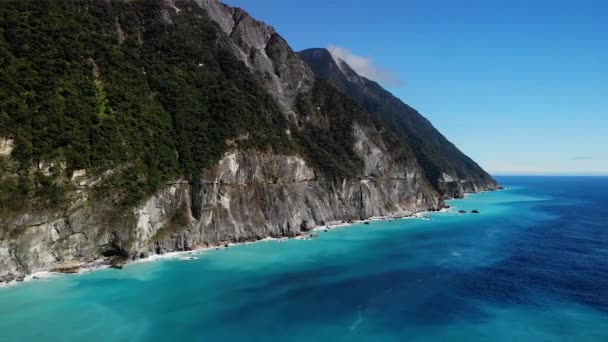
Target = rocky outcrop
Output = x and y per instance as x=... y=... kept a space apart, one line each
x=6 y=146
x=66 y=269
x=284 y=75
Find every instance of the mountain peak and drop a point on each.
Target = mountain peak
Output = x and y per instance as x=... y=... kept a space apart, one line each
x=332 y=61
x=330 y=67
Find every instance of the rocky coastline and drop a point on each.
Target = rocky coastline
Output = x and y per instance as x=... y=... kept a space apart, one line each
x=118 y=263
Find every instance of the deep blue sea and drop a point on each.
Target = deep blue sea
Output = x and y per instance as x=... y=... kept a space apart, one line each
x=532 y=266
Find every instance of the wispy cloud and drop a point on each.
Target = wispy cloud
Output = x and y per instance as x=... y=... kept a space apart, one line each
x=581 y=158
x=365 y=66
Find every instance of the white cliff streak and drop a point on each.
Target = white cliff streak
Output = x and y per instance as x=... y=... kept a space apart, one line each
x=6 y=146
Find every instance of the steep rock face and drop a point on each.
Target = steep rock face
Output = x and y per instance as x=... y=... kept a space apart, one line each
x=449 y=170
x=247 y=196
x=265 y=52
x=42 y=241
x=252 y=196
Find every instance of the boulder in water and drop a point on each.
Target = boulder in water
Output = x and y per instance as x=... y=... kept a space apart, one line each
x=118 y=262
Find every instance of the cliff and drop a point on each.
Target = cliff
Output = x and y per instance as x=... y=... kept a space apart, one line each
x=141 y=127
x=449 y=170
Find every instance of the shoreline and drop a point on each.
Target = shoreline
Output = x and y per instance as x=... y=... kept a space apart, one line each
x=103 y=263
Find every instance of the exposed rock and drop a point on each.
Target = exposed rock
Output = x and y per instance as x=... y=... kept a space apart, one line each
x=475 y=212
x=304 y=226
x=79 y=174
x=67 y=269
x=118 y=262
x=265 y=52
x=7 y=278
x=6 y=146
x=46 y=168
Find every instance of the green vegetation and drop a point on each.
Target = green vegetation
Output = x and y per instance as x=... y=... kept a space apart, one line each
x=327 y=135
x=103 y=85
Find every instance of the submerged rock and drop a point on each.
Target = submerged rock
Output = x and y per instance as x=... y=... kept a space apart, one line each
x=475 y=212
x=462 y=211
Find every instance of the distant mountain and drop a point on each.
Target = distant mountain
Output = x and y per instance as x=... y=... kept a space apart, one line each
x=449 y=170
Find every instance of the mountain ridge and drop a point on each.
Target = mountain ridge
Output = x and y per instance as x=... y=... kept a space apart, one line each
x=446 y=170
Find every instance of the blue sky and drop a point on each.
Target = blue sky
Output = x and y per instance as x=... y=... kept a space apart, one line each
x=519 y=86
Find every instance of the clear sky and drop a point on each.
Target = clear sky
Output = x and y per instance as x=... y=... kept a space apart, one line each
x=519 y=86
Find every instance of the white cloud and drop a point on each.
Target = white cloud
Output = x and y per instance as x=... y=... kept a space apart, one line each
x=365 y=66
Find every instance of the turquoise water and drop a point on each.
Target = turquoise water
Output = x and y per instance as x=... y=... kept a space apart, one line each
x=532 y=266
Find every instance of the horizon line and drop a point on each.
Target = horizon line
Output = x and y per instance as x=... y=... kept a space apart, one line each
x=552 y=174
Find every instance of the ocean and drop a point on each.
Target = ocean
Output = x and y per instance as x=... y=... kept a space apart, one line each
x=531 y=266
